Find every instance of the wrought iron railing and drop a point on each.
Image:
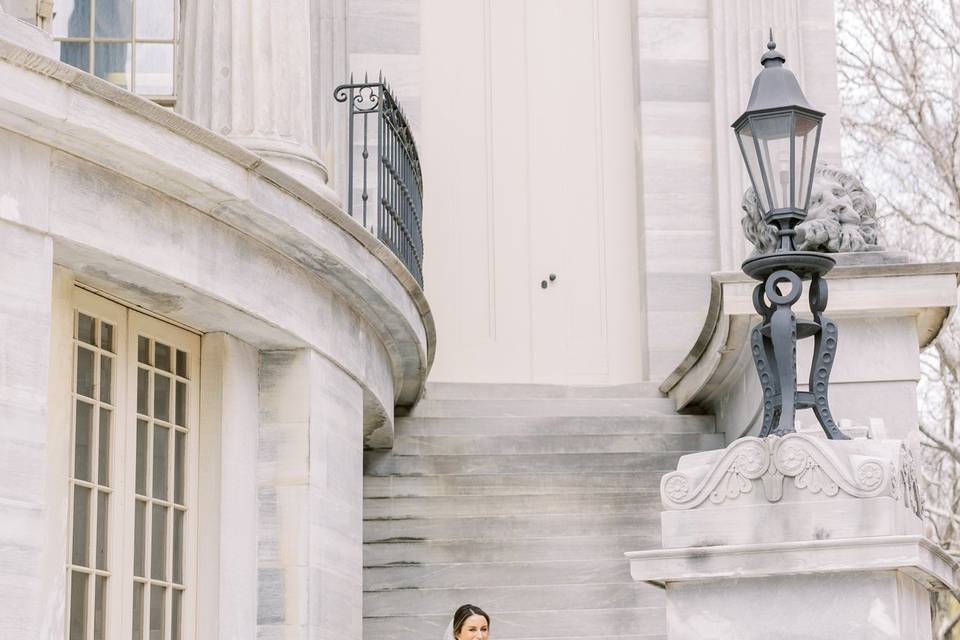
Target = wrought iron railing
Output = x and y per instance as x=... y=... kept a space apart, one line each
x=396 y=218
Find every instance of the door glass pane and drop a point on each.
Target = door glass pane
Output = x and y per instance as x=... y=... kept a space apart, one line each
x=179 y=447
x=181 y=413
x=143 y=390
x=155 y=20
x=139 y=537
x=154 y=69
x=78 y=605
x=175 y=614
x=100 y=608
x=106 y=378
x=114 y=19
x=137 y=611
x=102 y=519
x=158 y=544
x=86 y=329
x=82 y=441
x=84 y=372
x=142 y=457
x=157 y=606
x=161 y=355
x=103 y=449
x=161 y=397
x=111 y=61
x=106 y=336
x=75 y=54
x=71 y=19
x=143 y=350
x=178 y=546
x=181 y=363
x=160 y=448
x=81 y=525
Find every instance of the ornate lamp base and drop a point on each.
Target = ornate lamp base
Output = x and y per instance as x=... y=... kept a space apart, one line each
x=773 y=341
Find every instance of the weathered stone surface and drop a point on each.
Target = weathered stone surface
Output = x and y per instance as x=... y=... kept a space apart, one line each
x=794 y=525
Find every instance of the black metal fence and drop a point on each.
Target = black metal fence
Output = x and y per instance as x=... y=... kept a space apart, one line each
x=396 y=218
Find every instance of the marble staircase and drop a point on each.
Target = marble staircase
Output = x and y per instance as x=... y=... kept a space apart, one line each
x=521 y=499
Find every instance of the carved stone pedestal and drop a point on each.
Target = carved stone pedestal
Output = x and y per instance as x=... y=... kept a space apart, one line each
x=795 y=537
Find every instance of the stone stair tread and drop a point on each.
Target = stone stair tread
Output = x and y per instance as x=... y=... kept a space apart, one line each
x=482 y=407
x=380 y=463
x=442 y=600
x=556 y=623
x=516 y=445
x=474 y=551
x=501 y=527
x=459 y=390
x=530 y=504
x=555 y=425
x=510 y=484
x=492 y=574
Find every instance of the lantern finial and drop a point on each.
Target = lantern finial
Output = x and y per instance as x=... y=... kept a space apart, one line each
x=772 y=56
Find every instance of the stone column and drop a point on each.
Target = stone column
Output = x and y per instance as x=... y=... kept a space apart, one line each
x=310 y=476
x=796 y=537
x=247 y=73
x=227 y=589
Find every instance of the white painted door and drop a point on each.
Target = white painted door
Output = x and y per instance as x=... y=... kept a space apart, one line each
x=529 y=170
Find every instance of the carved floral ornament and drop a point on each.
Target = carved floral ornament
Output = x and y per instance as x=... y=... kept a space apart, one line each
x=814 y=464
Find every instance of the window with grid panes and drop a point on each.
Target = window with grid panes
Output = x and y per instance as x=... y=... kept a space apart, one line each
x=130 y=43
x=131 y=564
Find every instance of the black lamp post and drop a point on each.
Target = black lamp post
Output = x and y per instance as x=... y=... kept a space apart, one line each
x=779 y=134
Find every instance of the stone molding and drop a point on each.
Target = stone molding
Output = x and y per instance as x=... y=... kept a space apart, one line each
x=917 y=556
x=856 y=468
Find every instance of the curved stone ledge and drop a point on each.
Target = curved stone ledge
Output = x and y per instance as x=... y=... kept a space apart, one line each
x=111 y=153
x=873 y=296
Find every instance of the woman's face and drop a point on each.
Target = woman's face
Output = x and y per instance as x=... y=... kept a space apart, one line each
x=475 y=628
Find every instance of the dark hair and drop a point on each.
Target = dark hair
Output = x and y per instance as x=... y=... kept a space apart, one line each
x=464 y=612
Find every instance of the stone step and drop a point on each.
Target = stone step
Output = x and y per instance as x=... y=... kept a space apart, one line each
x=472 y=551
x=528 y=504
x=455 y=390
x=381 y=463
x=502 y=407
x=528 y=625
x=494 y=574
x=507 y=484
x=553 y=425
x=507 y=526
x=503 y=599
x=503 y=444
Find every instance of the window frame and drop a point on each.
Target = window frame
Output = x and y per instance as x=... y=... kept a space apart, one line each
x=167 y=100
x=128 y=325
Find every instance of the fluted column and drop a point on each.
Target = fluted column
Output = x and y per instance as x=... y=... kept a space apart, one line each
x=247 y=74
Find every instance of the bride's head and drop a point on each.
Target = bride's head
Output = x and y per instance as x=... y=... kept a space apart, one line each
x=470 y=622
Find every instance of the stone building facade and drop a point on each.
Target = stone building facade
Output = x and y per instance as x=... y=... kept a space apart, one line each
x=198 y=339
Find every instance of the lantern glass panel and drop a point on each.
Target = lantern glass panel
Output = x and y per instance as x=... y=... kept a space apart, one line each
x=807 y=132
x=773 y=135
x=749 y=150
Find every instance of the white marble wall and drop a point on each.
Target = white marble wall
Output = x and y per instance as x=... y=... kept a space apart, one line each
x=310 y=477
x=26 y=262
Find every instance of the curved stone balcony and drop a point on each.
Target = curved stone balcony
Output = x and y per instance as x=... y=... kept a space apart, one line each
x=144 y=205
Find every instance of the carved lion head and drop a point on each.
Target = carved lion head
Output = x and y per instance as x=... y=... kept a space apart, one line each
x=842 y=216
